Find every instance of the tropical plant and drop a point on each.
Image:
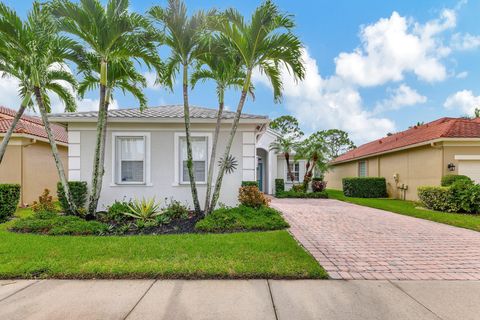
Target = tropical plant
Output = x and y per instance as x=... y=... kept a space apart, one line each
x=218 y=62
x=266 y=43
x=289 y=135
x=183 y=35
x=314 y=150
x=143 y=210
x=33 y=52
x=111 y=34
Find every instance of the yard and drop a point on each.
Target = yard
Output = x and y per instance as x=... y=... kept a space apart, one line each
x=410 y=208
x=272 y=254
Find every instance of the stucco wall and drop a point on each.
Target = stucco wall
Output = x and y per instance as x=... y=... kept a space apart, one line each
x=162 y=157
x=458 y=148
x=415 y=167
x=39 y=170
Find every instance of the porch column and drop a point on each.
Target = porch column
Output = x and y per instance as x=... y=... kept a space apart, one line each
x=248 y=156
x=74 y=155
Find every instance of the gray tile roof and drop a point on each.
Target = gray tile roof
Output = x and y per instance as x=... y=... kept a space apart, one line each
x=162 y=112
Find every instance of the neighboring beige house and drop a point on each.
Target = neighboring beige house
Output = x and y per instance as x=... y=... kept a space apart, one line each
x=145 y=153
x=419 y=156
x=28 y=159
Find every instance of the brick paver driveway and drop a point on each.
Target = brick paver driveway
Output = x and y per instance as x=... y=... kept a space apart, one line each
x=355 y=242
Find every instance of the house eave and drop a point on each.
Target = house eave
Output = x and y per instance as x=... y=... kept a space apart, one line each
x=154 y=120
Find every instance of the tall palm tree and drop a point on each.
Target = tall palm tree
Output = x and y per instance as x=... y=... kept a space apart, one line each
x=34 y=53
x=221 y=65
x=265 y=42
x=183 y=35
x=111 y=33
x=313 y=149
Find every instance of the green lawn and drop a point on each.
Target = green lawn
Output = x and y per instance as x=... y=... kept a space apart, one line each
x=273 y=254
x=409 y=208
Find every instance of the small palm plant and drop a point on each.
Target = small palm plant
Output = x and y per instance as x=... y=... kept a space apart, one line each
x=144 y=210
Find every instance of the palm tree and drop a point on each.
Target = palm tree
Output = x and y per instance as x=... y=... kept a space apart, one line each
x=267 y=43
x=285 y=145
x=34 y=53
x=183 y=35
x=219 y=64
x=314 y=150
x=111 y=33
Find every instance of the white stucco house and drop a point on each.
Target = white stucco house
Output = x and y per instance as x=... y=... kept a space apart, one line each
x=145 y=152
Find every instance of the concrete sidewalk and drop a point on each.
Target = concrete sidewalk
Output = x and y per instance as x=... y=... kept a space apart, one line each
x=238 y=299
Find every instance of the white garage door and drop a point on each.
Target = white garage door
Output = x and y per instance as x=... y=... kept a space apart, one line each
x=470 y=168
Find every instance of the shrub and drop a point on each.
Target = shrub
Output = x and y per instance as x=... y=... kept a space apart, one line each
x=144 y=210
x=115 y=212
x=318 y=185
x=60 y=225
x=242 y=218
x=437 y=198
x=312 y=195
x=365 y=187
x=44 y=203
x=176 y=210
x=9 y=197
x=44 y=214
x=250 y=196
x=298 y=188
x=78 y=190
x=450 y=179
x=279 y=186
x=249 y=184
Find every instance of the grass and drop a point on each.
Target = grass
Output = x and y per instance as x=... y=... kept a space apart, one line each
x=273 y=254
x=242 y=218
x=410 y=208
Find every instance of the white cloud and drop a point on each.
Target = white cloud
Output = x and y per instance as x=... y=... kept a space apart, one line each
x=394 y=46
x=151 y=77
x=400 y=97
x=465 y=41
x=320 y=103
x=464 y=101
x=462 y=75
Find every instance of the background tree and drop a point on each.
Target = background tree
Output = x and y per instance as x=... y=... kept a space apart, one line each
x=34 y=53
x=111 y=33
x=265 y=43
x=476 y=113
x=288 y=139
x=336 y=143
x=218 y=63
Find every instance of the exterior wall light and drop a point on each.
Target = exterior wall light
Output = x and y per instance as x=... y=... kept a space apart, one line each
x=451 y=167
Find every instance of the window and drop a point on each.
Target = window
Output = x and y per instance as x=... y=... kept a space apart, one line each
x=295 y=168
x=362 y=168
x=130 y=154
x=199 y=154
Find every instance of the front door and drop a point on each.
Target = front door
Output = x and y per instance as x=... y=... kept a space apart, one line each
x=260 y=174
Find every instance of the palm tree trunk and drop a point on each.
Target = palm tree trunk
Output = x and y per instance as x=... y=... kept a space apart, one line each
x=211 y=166
x=18 y=115
x=98 y=160
x=99 y=157
x=236 y=119
x=291 y=176
x=186 y=115
x=56 y=155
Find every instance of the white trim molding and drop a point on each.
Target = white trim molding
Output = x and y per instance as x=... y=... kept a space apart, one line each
x=467 y=157
x=146 y=135
x=74 y=168
x=249 y=162
x=176 y=155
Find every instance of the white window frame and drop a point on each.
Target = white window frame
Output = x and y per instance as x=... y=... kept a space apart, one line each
x=115 y=161
x=366 y=168
x=286 y=177
x=176 y=152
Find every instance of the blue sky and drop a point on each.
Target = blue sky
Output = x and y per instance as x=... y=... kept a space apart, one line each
x=372 y=66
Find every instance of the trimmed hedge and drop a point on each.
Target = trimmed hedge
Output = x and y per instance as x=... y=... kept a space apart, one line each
x=279 y=186
x=450 y=179
x=60 y=225
x=78 y=190
x=9 y=197
x=437 y=198
x=295 y=194
x=249 y=184
x=365 y=187
x=461 y=196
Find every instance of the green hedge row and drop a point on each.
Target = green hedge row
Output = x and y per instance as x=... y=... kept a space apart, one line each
x=462 y=196
x=9 y=197
x=300 y=194
x=79 y=192
x=279 y=186
x=365 y=187
x=249 y=184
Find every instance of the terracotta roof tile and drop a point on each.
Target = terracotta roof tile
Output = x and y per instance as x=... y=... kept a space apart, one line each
x=441 y=128
x=30 y=125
